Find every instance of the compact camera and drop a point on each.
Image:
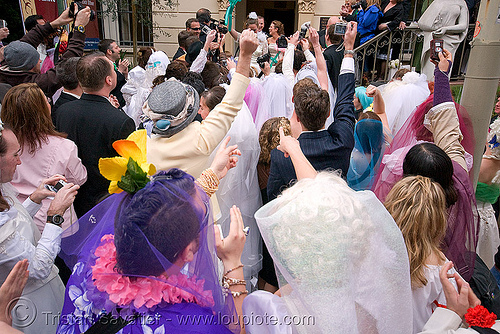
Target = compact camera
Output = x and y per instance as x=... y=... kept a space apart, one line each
x=262 y=60
x=360 y=5
x=340 y=28
x=303 y=30
x=281 y=42
x=3 y=24
x=215 y=25
x=436 y=49
x=80 y=7
x=55 y=188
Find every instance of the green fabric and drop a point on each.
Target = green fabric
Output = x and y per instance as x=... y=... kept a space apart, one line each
x=487 y=193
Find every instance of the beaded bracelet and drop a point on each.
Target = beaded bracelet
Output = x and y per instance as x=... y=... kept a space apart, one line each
x=209 y=181
x=229 y=281
x=231 y=270
x=239 y=293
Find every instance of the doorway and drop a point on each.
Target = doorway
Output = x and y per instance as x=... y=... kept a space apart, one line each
x=284 y=11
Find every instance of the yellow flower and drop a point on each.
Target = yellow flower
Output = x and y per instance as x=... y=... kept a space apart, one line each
x=133 y=147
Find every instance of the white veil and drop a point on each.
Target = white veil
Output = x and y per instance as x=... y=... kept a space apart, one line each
x=240 y=187
x=279 y=88
x=340 y=258
x=402 y=97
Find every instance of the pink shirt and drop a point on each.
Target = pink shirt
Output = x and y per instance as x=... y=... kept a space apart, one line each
x=57 y=156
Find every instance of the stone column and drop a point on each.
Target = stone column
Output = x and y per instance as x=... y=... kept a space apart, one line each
x=306 y=11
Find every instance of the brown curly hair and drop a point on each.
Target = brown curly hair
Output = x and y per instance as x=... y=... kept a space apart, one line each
x=269 y=137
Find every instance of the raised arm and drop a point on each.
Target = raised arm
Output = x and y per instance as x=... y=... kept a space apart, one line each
x=291 y=148
x=378 y=105
x=215 y=127
x=442 y=119
x=289 y=56
x=320 y=59
x=199 y=63
x=342 y=129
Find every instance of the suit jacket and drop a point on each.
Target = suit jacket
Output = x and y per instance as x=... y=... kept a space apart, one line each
x=93 y=124
x=333 y=60
x=63 y=98
x=117 y=92
x=178 y=53
x=325 y=149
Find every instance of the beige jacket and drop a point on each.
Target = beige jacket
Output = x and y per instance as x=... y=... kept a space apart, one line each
x=190 y=149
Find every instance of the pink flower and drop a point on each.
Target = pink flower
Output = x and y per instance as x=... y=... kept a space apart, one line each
x=144 y=291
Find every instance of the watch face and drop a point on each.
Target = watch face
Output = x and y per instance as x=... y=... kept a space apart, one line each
x=57 y=219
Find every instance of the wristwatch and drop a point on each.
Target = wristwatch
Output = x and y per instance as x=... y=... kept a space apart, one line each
x=55 y=219
x=80 y=28
x=348 y=52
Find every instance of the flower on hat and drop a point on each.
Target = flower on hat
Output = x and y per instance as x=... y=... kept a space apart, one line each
x=130 y=170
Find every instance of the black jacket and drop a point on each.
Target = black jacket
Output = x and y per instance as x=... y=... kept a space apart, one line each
x=93 y=124
x=325 y=149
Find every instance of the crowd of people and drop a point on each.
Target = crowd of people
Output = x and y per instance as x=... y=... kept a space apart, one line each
x=258 y=192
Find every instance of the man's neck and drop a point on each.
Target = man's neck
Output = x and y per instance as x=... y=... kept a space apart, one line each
x=78 y=91
x=103 y=93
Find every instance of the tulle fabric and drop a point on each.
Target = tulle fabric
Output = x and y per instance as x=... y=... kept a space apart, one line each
x=135 y=92
x=460 y=241
x=369 y=146
x=280 y=89
x=85 y=303
x=402 y=97
x=362 y=286
x=258 y=102
x=240 y=187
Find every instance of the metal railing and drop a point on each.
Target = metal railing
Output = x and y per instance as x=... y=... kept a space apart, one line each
x=374 y=56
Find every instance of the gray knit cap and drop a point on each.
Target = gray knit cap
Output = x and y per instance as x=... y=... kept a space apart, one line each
x=21 y=56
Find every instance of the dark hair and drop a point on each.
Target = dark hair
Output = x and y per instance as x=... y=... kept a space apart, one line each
x=176 y=69
x=299 y=58
x=213 y=96
x=92 y=70
x=312 y=104
x=203 y=15
x=26 y=111
x=143 y=55
x=189 y=21
x=369 y=115
x=164 y=212
x=105 y=44
x=250 y=21
x=280 y=26
x=190 y=40
x=429 y=160
x=334 y=39
x=182 y=37
x=66 y=73
x=194 y=80
x=31 y=21
x=278 y=69
x=210 y=73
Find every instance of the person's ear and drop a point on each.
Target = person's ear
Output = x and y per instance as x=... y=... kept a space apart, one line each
x=187 y=254
x=108 y=80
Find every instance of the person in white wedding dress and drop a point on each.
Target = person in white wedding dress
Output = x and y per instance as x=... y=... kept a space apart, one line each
x=402 y=97
x=362 y=286
x=252 y=24
x=20 y=239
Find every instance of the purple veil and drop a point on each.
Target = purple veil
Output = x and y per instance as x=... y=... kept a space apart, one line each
x=125 y=258
x=459 y=244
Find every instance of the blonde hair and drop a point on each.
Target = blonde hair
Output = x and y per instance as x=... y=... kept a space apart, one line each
x=418 y=205
x=372 y=2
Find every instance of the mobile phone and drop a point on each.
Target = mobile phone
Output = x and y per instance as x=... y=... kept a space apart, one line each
x=206 y=29
x=55 y=188
x=436 y=49
x=3 y=24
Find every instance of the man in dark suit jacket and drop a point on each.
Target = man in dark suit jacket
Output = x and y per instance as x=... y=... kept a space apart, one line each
x=112 y=51
x=94 y=124
x=333 y=53
x=66 y=75
x=325 y=148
